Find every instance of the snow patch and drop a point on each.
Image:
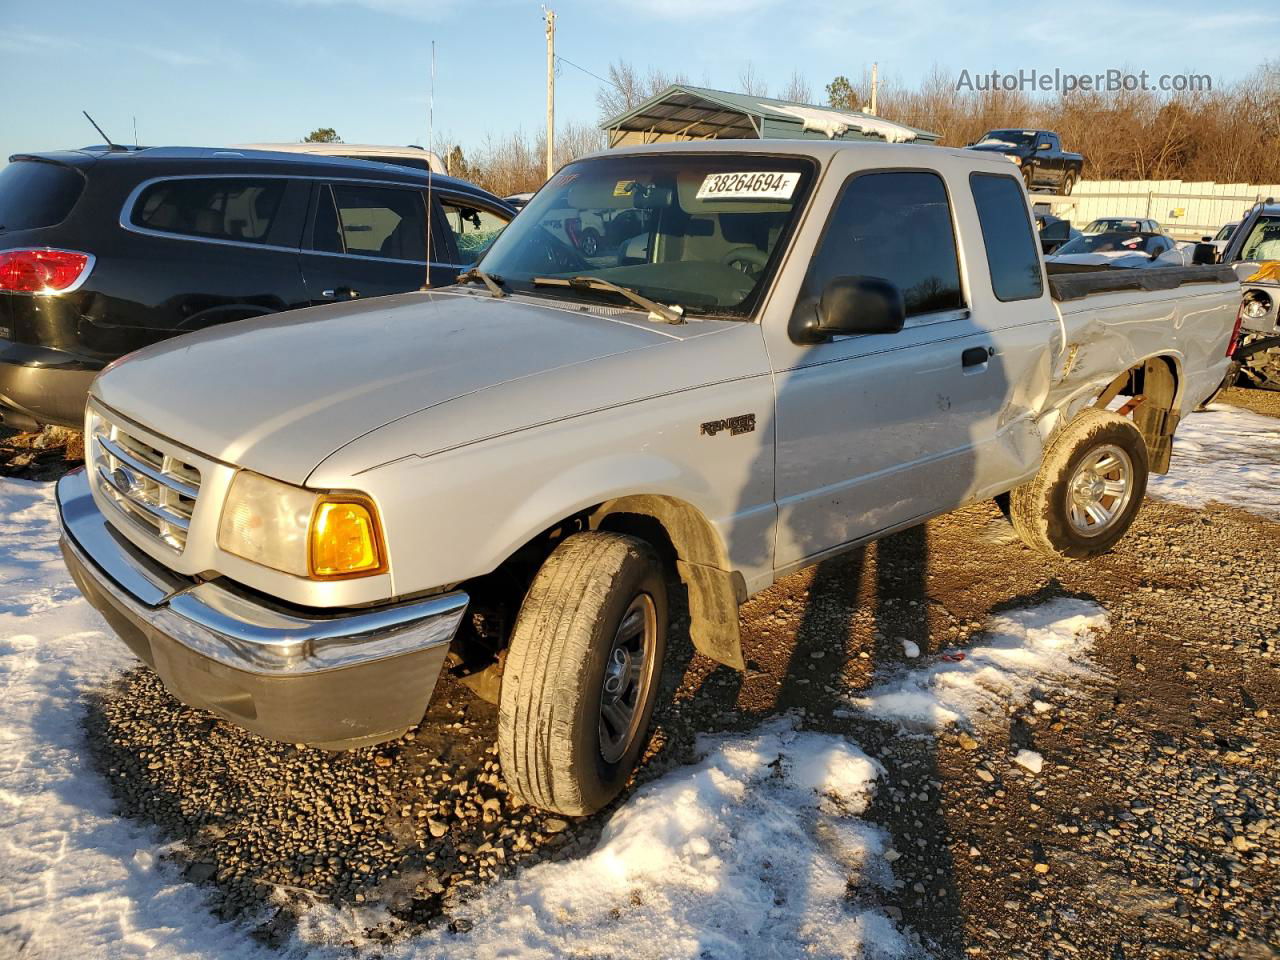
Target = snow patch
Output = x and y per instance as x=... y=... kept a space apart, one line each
x=834 y=123
x=1224 y=455
x=1020 y=652
x=750 y=852
x=1029 y=760
x=77 y=879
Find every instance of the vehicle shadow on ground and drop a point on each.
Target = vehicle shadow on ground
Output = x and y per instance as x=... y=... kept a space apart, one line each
x=856 y=614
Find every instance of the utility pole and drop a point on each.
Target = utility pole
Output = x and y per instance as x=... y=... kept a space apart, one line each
x=875 y=82
x=550 y=17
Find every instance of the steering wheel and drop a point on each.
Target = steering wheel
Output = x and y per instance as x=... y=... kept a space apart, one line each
x=559 y=257
x=745 y=259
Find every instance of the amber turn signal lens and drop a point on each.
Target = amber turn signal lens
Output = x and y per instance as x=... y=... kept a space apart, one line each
x=345 y=539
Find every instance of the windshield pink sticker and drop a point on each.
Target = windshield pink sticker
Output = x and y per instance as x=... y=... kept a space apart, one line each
x=778 y=185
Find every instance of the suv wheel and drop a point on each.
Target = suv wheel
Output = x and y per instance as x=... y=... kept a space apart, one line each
x=582 y=673
x=589 y=243
x=1089 y=488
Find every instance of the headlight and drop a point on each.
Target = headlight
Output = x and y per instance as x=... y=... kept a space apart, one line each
x=1256 y=306
x=1016 y=161
x=317 y=535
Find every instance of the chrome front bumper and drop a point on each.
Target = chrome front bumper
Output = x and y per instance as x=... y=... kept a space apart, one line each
x=338 y=681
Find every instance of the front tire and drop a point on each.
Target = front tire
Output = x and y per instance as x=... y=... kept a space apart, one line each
x=1089 y=488
x=1068 y=184
x=582 y=673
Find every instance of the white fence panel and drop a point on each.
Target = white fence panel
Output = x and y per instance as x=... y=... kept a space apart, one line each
x=1187 y=210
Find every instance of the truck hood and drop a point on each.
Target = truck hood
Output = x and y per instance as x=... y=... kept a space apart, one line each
x=278 y=394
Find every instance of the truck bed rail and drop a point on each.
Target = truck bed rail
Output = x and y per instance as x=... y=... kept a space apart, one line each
x=1076 y=284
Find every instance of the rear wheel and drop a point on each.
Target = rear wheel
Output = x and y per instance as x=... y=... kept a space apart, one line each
x=1089 y=488
x=582 y=672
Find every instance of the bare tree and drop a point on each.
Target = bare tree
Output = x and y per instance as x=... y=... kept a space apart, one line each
x=750 y=82
x=797 y=89
x=628 y=88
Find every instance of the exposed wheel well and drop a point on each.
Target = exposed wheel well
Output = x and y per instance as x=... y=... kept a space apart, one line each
x=1152 y=388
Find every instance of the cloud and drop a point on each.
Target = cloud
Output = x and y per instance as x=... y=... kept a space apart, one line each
x=412 y=9
x=22 y=41
x=170 y=58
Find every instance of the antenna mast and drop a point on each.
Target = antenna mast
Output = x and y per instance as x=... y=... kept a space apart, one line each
x=431 y=152
x=550 y=17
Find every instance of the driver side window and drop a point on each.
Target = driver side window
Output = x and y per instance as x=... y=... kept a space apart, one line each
x=896 y=226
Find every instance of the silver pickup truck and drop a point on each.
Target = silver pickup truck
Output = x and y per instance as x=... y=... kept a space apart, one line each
x=300 y=522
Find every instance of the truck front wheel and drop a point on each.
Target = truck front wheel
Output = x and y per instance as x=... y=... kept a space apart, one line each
x=582 y=673
x=1089 y=488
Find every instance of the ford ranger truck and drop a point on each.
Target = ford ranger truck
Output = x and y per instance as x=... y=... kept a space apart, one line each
x=300 y=521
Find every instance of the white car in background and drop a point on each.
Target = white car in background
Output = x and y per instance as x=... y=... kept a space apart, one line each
x=1220 y=239
x=415 y=157
x=1123 y=225
x=1119 y=249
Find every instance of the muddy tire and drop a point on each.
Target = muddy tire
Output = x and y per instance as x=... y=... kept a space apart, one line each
x=582 y=673
x=1089 y=488
x=1261 y=369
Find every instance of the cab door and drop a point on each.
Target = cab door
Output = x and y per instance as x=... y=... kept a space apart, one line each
x=874 y=432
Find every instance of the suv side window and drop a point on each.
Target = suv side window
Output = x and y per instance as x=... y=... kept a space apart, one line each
x=473 y=229
x=897 y=226
x=1052 y=140
x=379 y=221
x=221 y=208
x=1012 y=256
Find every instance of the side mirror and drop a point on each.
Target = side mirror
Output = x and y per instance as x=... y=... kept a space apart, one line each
x=851 y=306
x=1204 y=254
x=1205 y=239
x=1045 y=146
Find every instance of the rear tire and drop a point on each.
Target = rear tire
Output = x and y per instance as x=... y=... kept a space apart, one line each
x=574 y=711
x=1089 y=488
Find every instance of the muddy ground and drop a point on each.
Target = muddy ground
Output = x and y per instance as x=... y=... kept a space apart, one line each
x=1153 y=830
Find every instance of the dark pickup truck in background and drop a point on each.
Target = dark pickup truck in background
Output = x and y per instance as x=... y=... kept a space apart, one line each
x=1039 y=154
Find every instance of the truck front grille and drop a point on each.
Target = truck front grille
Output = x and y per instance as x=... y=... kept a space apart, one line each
x=154 y=488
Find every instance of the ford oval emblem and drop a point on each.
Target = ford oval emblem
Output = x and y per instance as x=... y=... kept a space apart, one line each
x=125 y=479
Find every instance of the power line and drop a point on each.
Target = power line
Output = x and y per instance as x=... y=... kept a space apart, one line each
x=586 y=71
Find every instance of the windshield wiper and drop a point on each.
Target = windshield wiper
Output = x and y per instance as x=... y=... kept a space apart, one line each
x=658 y=311
x=492 y=282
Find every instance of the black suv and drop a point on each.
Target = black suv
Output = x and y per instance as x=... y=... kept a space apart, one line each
x=105 y=251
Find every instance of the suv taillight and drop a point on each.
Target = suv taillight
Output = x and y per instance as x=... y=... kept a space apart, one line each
x=42 y=271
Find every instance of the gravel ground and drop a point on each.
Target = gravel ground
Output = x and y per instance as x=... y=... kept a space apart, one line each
x=1152 y=830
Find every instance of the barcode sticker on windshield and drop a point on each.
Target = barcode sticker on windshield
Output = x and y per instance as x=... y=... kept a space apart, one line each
x=748 y=186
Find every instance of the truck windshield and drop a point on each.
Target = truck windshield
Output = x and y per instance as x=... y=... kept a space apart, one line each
x=1263 y=241
x=1011 y=138
x=702 y=232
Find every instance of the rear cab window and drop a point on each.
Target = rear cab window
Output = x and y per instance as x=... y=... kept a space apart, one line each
x=35 y=193
x=241 y=210
x=1013 y=258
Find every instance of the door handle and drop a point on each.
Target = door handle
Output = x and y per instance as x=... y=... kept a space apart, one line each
x=340 y=293
x=975 y=356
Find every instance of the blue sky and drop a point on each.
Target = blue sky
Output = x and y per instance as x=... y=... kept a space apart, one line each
x=237 y=71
